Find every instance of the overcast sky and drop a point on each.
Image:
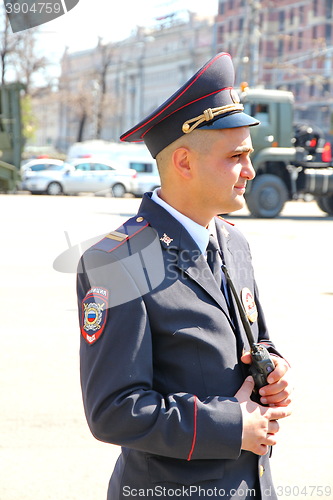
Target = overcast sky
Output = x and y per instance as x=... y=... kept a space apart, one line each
x=113 y=20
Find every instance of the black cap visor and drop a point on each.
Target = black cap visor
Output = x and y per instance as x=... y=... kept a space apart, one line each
x=232 y=120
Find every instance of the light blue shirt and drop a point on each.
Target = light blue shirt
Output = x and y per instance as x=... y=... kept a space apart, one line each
x=199 y=233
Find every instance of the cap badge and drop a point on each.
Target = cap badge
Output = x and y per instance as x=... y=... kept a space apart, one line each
x=249 y=305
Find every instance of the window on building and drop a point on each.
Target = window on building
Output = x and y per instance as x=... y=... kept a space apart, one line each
x=300 y=41
x=221 y=8
x=241 y=24
x=292 y=16
x=314 y=32
x=326 y=87
x=312 y=90
x=231 y=4
x=301 y=15
x=230 y=26
x=182 y=73
x=290 y=43
x=220 y=34
x=329 y=8
x=315 y=7
x=328 y=33
x=281 y=20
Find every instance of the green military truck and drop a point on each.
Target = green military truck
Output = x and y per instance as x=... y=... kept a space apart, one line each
x=291 y=161
x=11 y=139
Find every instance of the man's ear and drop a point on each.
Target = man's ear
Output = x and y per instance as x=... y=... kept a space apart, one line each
x=182 y=163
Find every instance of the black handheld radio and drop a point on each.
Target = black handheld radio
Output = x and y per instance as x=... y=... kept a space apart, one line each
x=262 y=364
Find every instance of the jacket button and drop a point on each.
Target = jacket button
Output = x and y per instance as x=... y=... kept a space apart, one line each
x=139 y=219
x=261 y=470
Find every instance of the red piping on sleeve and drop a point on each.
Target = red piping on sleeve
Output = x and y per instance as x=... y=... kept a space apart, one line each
x=194 y=429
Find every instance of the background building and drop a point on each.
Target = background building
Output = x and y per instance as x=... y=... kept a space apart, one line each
x=282 y=44
x=108 y=89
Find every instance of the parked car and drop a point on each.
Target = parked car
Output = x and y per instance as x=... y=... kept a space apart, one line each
x=32 y=167
x=135 y=156
x=38 y=164
x=148 y=177
x=84 y=176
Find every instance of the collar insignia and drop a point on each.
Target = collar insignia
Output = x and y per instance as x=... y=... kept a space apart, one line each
x=165 y=239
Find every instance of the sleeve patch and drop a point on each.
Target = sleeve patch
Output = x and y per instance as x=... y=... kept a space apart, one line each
x=94 y=313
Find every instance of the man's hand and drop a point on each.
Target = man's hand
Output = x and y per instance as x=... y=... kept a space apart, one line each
x=279 y=389
x=259 y=422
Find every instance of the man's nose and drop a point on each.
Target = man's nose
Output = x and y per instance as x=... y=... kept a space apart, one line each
x=247 y=170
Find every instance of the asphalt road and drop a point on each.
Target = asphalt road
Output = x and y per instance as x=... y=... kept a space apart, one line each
x=46 y=449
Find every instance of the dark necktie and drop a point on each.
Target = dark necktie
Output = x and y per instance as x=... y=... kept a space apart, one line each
x=214 y=260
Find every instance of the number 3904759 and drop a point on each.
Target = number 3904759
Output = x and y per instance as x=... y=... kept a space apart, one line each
x=34 y=8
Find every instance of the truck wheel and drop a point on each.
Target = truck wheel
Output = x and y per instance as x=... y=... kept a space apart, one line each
x=118 y=190
x=54 y=188
x=267 y=196
x=325 y=203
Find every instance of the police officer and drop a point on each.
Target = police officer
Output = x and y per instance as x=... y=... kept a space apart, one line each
x=164 y=355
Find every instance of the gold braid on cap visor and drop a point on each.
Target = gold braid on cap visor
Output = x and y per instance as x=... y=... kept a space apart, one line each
x=209 y=115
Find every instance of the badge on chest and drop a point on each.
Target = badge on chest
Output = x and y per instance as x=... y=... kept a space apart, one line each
x=249 y=305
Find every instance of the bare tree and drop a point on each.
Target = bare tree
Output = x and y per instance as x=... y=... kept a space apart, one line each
x=27 y=59
x=8 y=43
x=78 y=100
x=104 y=60
x=19 y=54
x=84 y=94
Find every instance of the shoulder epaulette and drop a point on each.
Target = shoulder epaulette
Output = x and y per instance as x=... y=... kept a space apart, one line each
x=124 y=233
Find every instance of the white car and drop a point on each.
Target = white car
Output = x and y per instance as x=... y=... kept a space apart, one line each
x=85 y=175
x=148 y=177
x=38 y=164
x=33 y=167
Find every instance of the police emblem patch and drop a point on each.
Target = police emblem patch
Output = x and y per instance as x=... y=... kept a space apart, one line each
x=94 y=313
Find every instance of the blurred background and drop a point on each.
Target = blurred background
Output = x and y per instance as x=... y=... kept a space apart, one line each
x=97 y=70
x=72 y=86
x=68 y=90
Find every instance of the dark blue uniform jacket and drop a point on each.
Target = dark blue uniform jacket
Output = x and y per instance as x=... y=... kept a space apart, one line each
x=160 y=360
